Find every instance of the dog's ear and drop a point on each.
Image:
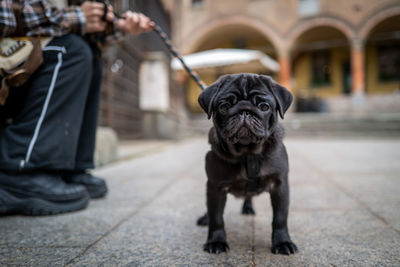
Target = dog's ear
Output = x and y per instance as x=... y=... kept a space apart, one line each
x=206 y=98
x=281 y=94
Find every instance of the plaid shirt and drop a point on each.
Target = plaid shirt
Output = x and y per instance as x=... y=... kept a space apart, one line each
x=39 y=17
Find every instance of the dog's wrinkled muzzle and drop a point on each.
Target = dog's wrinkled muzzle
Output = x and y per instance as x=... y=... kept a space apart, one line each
x=244 y=136
x=246 y=128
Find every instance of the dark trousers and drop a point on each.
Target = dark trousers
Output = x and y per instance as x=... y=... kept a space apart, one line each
x=55 y=113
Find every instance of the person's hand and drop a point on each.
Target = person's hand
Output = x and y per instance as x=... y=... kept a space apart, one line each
x=94 y=12
x=134 y=23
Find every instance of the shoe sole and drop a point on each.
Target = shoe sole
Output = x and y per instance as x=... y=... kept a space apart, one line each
x=10 y=204
x=96 y=191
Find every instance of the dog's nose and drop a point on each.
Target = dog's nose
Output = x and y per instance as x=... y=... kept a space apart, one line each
x=244 y=113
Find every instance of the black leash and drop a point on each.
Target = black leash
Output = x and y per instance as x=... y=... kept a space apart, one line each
x=164 y=37
x=168 y=43
x=174 y=52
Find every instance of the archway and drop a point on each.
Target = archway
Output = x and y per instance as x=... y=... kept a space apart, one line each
x=321 y=65
x=234 y=35
x=382 y=52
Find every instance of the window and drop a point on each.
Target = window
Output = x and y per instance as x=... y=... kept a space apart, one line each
x=308 y=7
x=389 y=62
x=320 y=68
x=197 y=3
x=240 y=43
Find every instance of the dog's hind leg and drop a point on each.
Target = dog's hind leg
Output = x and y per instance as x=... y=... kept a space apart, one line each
x=247 y=208
x=203 y=220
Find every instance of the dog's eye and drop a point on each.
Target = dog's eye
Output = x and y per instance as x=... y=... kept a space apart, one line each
x=263 y=106
x=232 y=99
x=224 y=107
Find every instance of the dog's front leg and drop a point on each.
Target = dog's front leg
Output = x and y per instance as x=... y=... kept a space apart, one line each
x=281 y=242
x=216 y=199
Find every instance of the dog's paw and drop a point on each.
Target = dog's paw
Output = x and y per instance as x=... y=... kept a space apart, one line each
x=287 y=248
x=248 y=210
x=216 y=247
x=203 y=220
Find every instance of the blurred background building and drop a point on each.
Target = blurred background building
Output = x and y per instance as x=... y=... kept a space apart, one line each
x=327 y=49
x=335 y=56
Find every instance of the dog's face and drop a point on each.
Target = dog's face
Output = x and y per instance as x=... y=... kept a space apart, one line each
x=244 y=108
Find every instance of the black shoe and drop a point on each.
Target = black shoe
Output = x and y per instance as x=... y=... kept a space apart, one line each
x=39 y=194
x=96 y=186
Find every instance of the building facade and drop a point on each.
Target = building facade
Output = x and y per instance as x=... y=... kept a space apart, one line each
x=346 y=52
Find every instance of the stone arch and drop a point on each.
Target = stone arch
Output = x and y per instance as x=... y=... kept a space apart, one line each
x=375 y=19
x=329 y=40
x=311 y=23
x=201 y=31
x=378 y=33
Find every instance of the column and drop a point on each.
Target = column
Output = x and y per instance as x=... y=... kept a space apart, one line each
x=358 y=100
x=285 y=71
x=154 y=97
x=358 y=67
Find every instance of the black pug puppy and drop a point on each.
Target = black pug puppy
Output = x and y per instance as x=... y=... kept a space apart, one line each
x=247 y=155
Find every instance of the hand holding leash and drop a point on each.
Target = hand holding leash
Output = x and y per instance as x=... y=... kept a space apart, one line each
x=136 y=23
x=96 y=17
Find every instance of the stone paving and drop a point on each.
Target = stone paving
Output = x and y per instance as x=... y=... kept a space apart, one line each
x=345 y=211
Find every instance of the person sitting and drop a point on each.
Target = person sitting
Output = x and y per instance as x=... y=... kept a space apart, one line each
x=48 y=142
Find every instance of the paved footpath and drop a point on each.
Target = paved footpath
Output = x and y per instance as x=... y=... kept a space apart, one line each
x=345 y=211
